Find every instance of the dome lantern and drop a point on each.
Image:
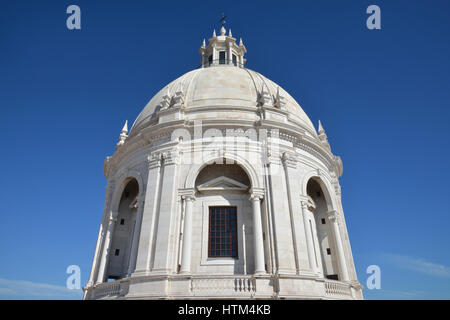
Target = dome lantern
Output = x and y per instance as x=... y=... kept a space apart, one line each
x=223 y=50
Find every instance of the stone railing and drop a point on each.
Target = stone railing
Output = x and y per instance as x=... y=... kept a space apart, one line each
x=221 y=285
x=337 y=289
x=107 y=289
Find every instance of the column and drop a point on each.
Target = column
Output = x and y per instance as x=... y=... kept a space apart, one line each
x=98 y=247
x=135 y=242
x=106 y=247
x=214 y=55
x=258 y=243
x=94 y=263
x=332 y=217
x=187 y=235
x=309 y=239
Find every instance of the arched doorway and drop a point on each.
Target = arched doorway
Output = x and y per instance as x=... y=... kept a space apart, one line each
x=324 y=244
x=120 y=250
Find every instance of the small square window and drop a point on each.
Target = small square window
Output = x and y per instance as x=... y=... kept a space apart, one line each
x=323 y=221
x=333 y=277
x=328 y=251
x=122 y=221
x=116 y=253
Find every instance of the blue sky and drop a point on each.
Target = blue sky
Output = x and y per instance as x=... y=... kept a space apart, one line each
x=382 y=96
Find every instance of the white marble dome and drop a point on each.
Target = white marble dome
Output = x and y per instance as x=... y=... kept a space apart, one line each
x=223 y=189
x=222 y=86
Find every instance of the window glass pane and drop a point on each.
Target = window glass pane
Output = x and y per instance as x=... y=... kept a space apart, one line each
x=221 y=57
x=222 y=240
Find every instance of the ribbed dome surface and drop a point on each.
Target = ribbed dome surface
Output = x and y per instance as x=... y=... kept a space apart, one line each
x=221 y=86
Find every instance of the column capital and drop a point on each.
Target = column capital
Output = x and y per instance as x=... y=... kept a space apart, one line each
x=289 y=160
x=154 y=160
x=272 y=157
x=307 y=202
x=255 y=197
x=171 y=157
x=187 y=194
x=140 y=201
x=113 y=216
x=332 y=215
x=188 y=198
x=256 y=193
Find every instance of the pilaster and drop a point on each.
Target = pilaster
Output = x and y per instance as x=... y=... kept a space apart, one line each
x=281 y=216
x=149 y=214
x=166 y=216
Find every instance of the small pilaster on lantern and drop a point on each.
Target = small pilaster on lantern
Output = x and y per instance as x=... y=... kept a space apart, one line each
x=123 y=134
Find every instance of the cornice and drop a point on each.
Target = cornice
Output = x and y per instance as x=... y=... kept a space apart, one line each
x=148 y=137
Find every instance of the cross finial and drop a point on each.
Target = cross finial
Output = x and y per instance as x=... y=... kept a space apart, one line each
x=222 y=20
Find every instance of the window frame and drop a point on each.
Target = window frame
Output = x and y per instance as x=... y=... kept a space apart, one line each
x=222 y=261
x=218 y=232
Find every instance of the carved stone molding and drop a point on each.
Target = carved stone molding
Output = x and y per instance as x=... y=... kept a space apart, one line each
x=256 y=193
x=172 y=156
x=113 y=216
x=307 y=203
x=187 y=194
x=332 y=215
x=154 y=160
x=289 y=160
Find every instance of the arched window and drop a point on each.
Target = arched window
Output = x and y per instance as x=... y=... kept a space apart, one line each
x=223 y=217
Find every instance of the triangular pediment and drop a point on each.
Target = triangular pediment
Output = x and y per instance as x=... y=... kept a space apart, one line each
x=222 y=183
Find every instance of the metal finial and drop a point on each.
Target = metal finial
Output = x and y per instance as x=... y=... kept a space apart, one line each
x=222 y=20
